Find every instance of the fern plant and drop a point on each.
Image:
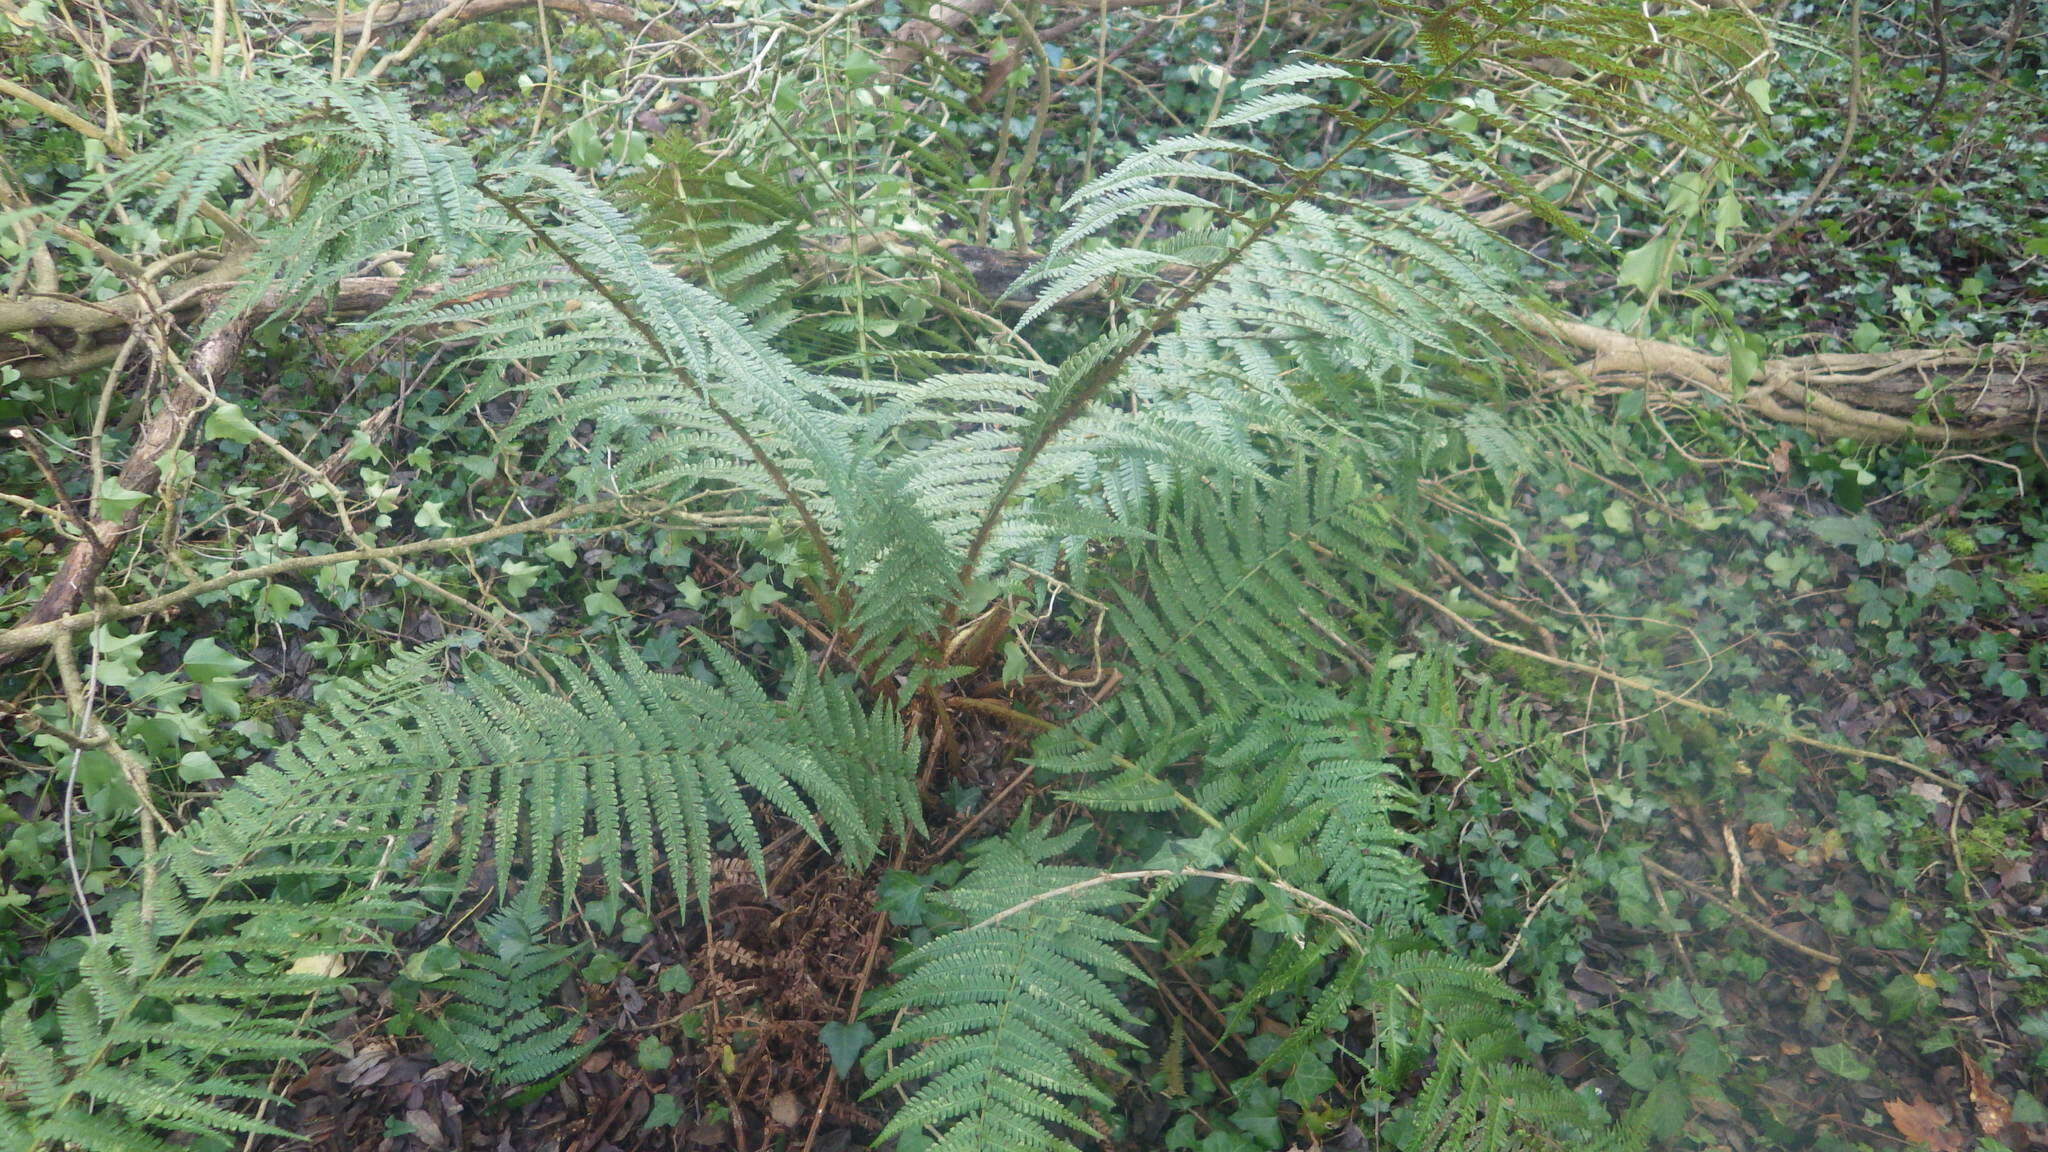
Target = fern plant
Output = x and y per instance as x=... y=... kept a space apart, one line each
x=249 y=916
x=497 y=1018
x=1230 y=455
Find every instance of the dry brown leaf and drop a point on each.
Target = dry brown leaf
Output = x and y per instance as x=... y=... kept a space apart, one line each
x=1924 y=1124
x=1764 y=838
x=426 y=1128
x=1994 y=1112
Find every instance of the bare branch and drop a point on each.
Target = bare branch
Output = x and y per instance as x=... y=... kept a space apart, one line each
x=1967 y=393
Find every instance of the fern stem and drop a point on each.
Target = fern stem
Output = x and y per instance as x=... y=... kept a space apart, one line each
x=1002 y=711
x=1309 y=898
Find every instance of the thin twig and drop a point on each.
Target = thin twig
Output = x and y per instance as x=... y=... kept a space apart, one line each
x=1666 y=696
x=36 y=635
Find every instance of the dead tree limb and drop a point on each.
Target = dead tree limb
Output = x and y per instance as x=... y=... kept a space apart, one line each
x=86 y=335
x=1927 y=396
x=388 y=17
x=161 y=431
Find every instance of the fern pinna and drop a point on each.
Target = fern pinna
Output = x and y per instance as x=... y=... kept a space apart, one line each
x=1011 y=1008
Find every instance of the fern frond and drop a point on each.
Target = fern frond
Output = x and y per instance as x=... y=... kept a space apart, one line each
x=192 y=993
x=497 y=1018
x=1003 y=1015
x=1240 y=582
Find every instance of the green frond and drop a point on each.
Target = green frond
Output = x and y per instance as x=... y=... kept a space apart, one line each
x=1246 y=596
x=1484 y=1093
x=1002 y=1018
x=190 y=995
x=497 y=1017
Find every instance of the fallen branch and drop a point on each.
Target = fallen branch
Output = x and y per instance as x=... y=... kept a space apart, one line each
x=1664 y=696
x=30 y=635
x=160 y=432
x=1928 y=396
x=386 y=17
x=97 y=330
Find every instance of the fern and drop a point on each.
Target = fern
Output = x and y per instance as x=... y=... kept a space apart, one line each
x=1246 y=596
x=1484 y=1092
x=196 y=990
x=731 y=224
x=252 y=911
x=1260 y=512
x=1006 y=1012
x=497 y=1019
x=1220 y=719
x=622 y=765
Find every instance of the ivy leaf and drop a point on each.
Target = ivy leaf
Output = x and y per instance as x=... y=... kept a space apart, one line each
x=1727 y=217
x=1759 y=91
x=117 y=500
x=652 y=1055
x=860 y=67
x=228 y=422
x=845 y=1042
x=278 y=600
x=1843 y=1061
x=1643 y=267
x=1744 y=364
x=604 y=602
x=197 y=766
x=1309 y=1080
x=901 y=895
x=2028 y=1110
x=519 y=576
x=664 y=1114
x=432 y=963
x=206 y=661
x=429 y=515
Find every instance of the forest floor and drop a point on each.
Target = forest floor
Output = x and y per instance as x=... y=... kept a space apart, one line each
x=1786 y=952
